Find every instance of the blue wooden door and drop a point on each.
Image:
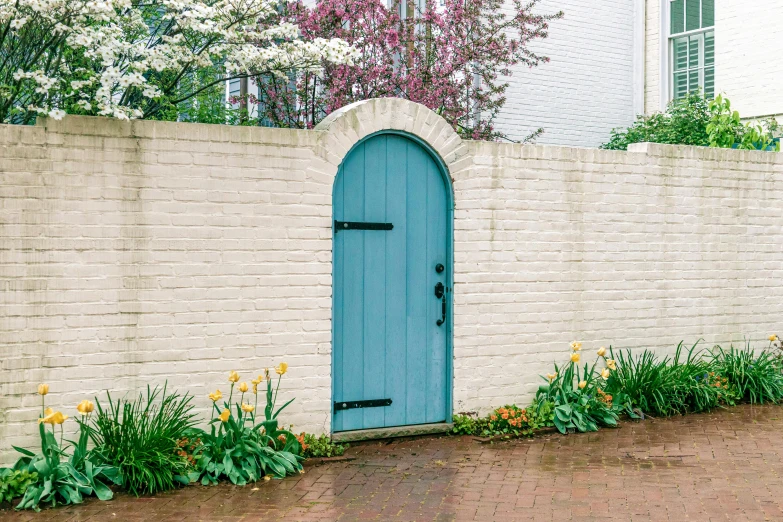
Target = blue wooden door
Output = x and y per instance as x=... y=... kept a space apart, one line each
x=390 y=340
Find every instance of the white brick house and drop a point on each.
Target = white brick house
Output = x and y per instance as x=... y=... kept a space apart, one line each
x=611 y=60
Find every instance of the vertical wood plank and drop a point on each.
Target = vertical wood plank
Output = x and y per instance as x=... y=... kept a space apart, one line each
x=353 y=293
x=419 y=293
x=396 y=290
x=374 y=279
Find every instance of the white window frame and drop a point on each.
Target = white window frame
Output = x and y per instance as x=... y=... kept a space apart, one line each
x=667 y=51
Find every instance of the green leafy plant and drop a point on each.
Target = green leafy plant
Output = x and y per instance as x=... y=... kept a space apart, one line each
x=140 y=438
x=755 y=379
x=14 y=483
x=61 y=478
x=726 y=130
x=321 y=446
x=580 y=402
x=468 y=423
x=239 y=448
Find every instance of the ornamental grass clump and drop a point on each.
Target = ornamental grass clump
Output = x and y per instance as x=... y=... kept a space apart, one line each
x=668 y=386
x=140 y=438
x=242 y=447
x=753 y=378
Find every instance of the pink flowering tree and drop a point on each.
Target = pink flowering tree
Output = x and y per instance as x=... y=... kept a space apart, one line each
x=455 y=58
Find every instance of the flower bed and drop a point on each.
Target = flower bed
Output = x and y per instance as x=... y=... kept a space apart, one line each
x=152 y=443
x=585 y=398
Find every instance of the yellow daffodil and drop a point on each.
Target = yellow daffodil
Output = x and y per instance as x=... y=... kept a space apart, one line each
x=575 y=357
x=551 y=376
x=772 y=338
x=576 y=346
x=248 y=408
x=43 y=389
x=85 y=407
x=601 y=351
x=611 y=364
x=582 y=384
x=280 y=370
x=243 y=387
x=605 y=373
x=233 y=376
x=225 y=415
x=216 y=396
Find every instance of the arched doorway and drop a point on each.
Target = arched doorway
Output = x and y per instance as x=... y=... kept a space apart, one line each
x=392 y=282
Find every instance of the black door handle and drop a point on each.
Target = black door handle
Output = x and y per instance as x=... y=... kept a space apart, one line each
x=440 y=293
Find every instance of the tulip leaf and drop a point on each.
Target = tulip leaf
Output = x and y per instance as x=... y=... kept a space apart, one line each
x=281 y=408
x=24 y=451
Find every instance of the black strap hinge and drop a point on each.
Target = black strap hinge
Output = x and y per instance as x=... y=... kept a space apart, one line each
x=360 y=225
x=349 y=405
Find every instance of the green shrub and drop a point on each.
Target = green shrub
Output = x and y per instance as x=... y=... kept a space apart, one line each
x=668 y=386
x=14 y=483
x=321 y=446
x=693 y=120
x=683 y=123
x=140 y=438
x=754 y=379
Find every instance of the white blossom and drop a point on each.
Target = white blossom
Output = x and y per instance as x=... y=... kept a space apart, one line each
x=127 y=51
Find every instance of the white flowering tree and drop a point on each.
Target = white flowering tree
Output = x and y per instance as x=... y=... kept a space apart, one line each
x=141 y=58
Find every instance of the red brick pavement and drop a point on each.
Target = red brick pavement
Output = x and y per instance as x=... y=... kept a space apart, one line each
x=725 y=465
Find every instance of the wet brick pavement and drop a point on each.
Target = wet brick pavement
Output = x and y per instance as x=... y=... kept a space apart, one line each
x=725 y=465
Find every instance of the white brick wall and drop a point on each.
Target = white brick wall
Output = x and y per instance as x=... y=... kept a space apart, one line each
x=586 y=89
x=135 y=253
x=748 y=64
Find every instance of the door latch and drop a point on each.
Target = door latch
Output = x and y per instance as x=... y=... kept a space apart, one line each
x=440 y=293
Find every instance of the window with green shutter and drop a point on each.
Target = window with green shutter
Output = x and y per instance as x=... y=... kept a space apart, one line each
x=692 y=47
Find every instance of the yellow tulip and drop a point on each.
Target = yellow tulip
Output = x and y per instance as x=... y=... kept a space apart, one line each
x=610 y=363
x=576 y=346
x=772 y=338
x=551 y=376
x=225 y=415
x=256 y=382
x=233 y=376
x=575 y=357
x=85 y=407
x=216 y=396
x=243 y=387
x=266 y=373
x=43 y=389
x=601 y=351
x=280 y=370
x=582 y=384
x=52 y=417
x=48 y=413
x=248 y=408
x=605 y=373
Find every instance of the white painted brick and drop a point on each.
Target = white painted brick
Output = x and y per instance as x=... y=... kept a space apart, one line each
x=186 y=272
